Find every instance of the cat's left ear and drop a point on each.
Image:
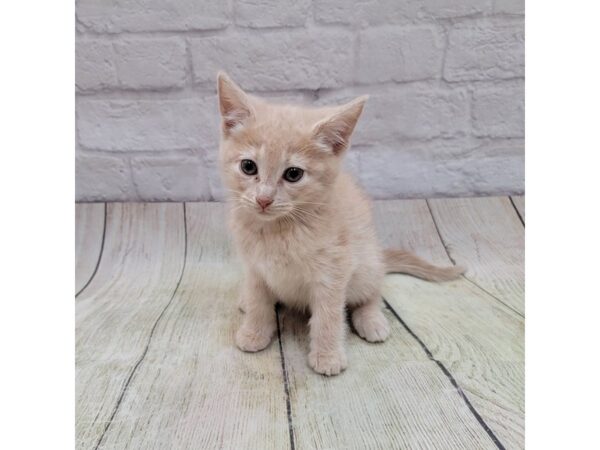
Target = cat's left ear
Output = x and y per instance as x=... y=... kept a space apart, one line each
x=334 y=132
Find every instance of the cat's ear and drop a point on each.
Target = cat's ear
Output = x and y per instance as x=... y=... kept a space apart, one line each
x=234 y=103
x=334 y=132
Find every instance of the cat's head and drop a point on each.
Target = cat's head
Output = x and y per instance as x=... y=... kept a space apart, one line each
x=279 y=160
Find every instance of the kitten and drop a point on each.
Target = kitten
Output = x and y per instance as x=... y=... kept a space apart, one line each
x=302 y=227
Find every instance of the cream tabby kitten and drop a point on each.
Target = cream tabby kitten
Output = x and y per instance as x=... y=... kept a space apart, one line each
x=302 y=227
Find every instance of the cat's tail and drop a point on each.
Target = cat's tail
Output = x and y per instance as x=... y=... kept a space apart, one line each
x=399 y=261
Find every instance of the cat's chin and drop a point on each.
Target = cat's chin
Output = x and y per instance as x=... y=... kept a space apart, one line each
x=263 y=216
x=268 y=216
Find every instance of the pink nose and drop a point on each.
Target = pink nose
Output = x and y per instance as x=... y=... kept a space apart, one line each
x=264 y=202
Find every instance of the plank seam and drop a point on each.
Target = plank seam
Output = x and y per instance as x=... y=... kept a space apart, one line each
x=286 y=383
x=516 y=210
x=99 y=255
x=150 y=336
x=454 y=262
x=448 y=375
x=493 y=296
x=438 y=232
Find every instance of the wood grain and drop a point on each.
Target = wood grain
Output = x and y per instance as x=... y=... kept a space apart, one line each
x=157 y=366
x=194 y=388
x=89 y=228
x=478 y=339
x=519 y=202
x=486 y=236
x=407 y=224
x=391 y=396
x=141 y=264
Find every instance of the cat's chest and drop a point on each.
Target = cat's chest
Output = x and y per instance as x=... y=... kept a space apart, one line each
x=290 y=283
x=285 y=267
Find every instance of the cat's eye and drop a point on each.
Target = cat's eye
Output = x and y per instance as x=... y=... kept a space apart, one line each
x=293 y=174
x=248 y=167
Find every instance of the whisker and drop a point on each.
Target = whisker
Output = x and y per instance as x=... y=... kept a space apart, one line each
x=308 y=212
x=311 y=203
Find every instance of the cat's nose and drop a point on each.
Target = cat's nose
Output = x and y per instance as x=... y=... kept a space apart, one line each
x=264 y=202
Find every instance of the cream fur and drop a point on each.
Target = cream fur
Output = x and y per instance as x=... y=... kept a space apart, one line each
x=314 y=248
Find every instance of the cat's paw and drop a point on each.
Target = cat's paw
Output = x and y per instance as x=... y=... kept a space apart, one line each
x=252 y=340
x=371 y=324
x=328 y=363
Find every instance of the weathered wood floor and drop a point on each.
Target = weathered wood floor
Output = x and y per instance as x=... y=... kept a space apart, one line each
x=156 y=312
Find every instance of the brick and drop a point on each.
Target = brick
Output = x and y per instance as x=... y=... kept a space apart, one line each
x=211 y=162
x=393 y=11
x=287 y=97
x=446 y=9
x=132 y=125
x=103 y=178
x=425 y=138
x=298 y=59
x=485 y=50
x=170 y=178
x=499 y=111
x=443 y=168
x=114 y=16
x=407 y=112
x=509 y=6
x=489 y=168
x=399 y=54
x=394 y=172
x=334 y=11
x=271 y=13
x=95 y=65
x=131 y=64
x=151 y=63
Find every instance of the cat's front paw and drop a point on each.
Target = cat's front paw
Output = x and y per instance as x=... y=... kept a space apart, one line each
x=252 y=340
x=328 y=363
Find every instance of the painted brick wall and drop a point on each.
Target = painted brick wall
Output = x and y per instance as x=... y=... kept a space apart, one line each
x=446 y=79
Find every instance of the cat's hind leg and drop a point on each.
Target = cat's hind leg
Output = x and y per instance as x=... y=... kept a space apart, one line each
x=365 y=303
x=369 y=322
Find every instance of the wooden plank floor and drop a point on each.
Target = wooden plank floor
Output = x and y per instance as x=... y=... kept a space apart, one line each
x=156 y=312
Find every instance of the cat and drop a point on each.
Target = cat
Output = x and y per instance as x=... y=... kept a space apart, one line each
x=301 y=225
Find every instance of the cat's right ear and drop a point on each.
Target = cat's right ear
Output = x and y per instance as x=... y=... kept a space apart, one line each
x=234 y=104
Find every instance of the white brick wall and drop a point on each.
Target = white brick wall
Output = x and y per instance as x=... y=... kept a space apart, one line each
x=445 y=117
